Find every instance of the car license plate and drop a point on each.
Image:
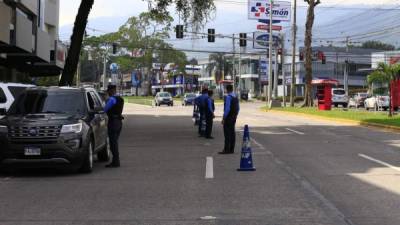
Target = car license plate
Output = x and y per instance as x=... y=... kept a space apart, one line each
x=32 y=151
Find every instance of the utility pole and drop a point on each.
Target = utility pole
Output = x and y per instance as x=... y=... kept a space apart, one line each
x=293 y=80
x=78 y=74
x=283 y=68
x=276 y=74
x=240 y=71
x=105 y=71
x=233 y=62
x=346 y=69
x=270 y=54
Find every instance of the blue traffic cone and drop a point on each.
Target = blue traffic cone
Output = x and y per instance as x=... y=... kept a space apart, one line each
x=246 y=160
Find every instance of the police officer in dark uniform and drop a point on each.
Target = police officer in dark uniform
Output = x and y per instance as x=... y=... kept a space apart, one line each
x=114 y=108
x=200 y=102
x=209 y=114
x=231 y=111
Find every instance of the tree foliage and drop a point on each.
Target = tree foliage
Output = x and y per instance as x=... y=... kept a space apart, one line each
x=219 y=64
x=385 y=74
x=194 y=12
x=378 y=45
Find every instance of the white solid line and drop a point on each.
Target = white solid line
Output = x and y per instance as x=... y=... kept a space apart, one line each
x=209 y=168
x=295 y=131
x=379 y=162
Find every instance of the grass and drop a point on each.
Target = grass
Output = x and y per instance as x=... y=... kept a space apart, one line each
x=139 y=100
x=364 y=117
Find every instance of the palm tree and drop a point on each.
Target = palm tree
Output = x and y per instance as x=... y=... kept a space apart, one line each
x=194 y=12
x=385 y=74
x=217 y=64
x=308 y=100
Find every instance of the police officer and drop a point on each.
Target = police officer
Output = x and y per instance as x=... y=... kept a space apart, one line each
x=231 y=111
x=200 y=102
x=209 y=114
x=114 y=108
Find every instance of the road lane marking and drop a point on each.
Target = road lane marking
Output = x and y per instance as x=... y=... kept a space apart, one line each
x=260 y=146
x=295 y=131
x=379 y=162
x=208 y=218
x=209 y=168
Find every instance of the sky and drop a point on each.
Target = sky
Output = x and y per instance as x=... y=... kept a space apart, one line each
x=231 y=17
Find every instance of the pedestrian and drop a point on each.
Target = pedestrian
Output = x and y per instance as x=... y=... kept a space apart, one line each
x=231 y=111
x=209 y=114
x=200 y=101
x=114 y=108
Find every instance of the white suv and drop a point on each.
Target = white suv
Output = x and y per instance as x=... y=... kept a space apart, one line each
x=339 y=97
x=8 y=93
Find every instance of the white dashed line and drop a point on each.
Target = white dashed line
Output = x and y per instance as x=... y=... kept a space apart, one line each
x=209 y=168
x=295 y=131
x=379 y=162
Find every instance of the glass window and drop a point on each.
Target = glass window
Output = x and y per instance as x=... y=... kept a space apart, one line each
x=16 y=91
x=43 y=101
x=339 y=92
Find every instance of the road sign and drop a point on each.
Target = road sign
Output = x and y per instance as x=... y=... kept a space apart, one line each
x=266 y=27
x=114 y=67
x=261 y=40
x=260 y=9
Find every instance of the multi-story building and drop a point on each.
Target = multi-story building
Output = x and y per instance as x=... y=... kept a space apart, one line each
x=336 y=60
x=29 y=42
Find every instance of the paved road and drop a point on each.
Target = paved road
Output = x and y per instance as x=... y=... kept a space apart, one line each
x=308 y=173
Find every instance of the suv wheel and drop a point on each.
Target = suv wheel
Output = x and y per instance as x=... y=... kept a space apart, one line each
x=104 y=154
x=87 y=166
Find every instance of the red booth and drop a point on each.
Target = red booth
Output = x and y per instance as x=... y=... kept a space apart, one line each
x=395 y=94
x=324 y=92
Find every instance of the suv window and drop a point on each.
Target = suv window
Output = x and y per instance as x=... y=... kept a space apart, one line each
x=90 y=101
x=16 y=91
x=3 y=98
x=97 y=102
x=43 y=101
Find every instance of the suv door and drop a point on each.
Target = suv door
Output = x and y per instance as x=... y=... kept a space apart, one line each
x=103 y=118
x=94 y=120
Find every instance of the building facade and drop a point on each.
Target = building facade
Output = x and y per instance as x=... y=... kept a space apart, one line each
x=29 y=42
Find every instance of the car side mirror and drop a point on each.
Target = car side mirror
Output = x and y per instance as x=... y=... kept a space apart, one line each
x=2 y=111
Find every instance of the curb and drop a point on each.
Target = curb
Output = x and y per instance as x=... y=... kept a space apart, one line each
x=338 y=120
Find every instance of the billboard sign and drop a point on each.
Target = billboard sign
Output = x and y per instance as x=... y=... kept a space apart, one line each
x=266 y=27
x=261 y=40
x=260 y=10
x=264 y=71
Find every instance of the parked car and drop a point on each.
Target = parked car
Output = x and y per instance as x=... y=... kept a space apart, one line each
x=339 y=97
x=8 y=93
x=188 y=99
x=163 y=98
x=358 y=100
x=377 y=102
x=55 y=127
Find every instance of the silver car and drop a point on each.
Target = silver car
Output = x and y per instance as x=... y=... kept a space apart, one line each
x=163 y=98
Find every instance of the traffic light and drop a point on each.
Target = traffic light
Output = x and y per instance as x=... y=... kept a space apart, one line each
x=243 y=40
x=301 y=56
x=114 y=48
x=179 y=31
x=324 y=59
x=211 y=35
